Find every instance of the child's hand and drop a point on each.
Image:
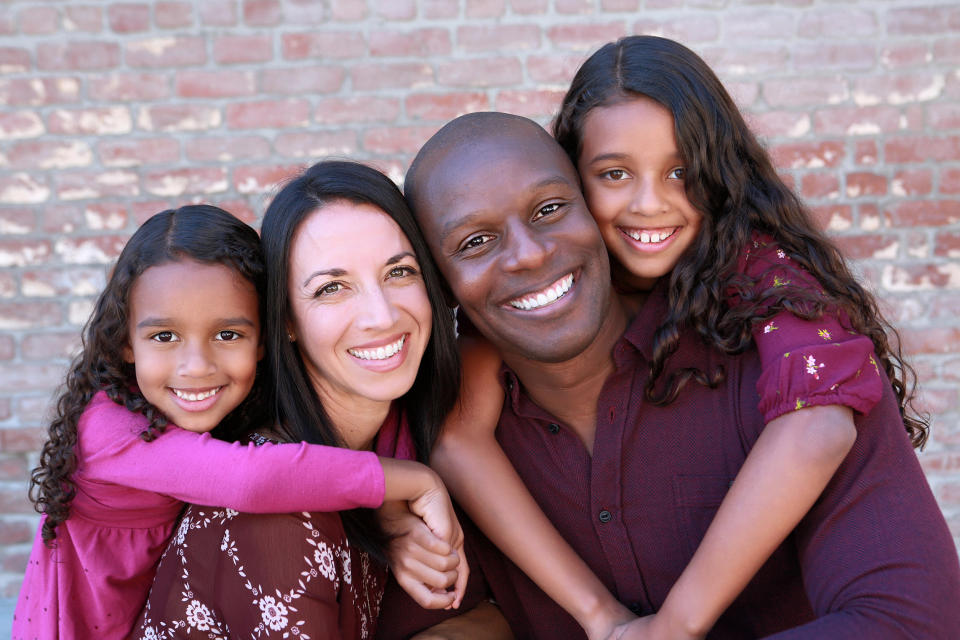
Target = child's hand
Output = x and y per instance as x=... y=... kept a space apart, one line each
x=425 y=566
x=436 y=511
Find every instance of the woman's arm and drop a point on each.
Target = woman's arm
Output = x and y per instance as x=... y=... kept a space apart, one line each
x=502 y=507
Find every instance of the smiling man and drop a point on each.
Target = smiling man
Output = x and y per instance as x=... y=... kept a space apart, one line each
x=633 y=486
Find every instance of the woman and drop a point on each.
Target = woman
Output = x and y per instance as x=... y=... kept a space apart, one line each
x=362 y=355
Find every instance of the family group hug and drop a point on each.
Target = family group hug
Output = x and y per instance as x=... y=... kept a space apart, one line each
x=661 y=402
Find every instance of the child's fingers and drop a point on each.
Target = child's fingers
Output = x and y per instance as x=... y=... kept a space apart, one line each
x=425 y=596
x=463 y=574
x=421 y=536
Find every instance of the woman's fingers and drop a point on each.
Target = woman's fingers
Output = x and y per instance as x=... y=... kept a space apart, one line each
x=463 y=574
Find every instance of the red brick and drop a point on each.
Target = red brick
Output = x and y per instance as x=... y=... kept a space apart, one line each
x=17 y=92
x=7 y=26
x=8 y=284
x=922 y=149
x=179 y=117
x=421 y=42
x=316 y=144
x=945 y=307
x=20 y=253
x=808 y=155
x=14 y=60
x=862 y=184
x=227 y=148
x=349 y=10
x=239 y=49
x=83 y=18
x=868 y=246
x=21 y=188
x=832 y=217
x=8 y=349
x=166 y=51
x=128 y=17
x=924 y=213
x=323 y=45
x=13 y=559
x=445 y=106
x=50 y=345
x=920 y=21
x=747 y=60
x=239 y=208
x=838 y=23
x=898 y=89
x=947 y=50
x=554 y=68
x=268 y=114
x=759 y=24
x=174 y=183
x=28 y=315
x=498 y=37
x=817 y=56
x=132 y=152
x=399 y=75
x=535 y=7
x=397 y=139
x=143 y=210
x=82 y=56
x=23 y=439
x=915 y=182
x=857 y=121
x=930 y=339
x=262 y=179
x=262 y=13
x=584 y=37
x=795 y=92
x=302 y=80
x=395 y=9
x=940 y=460
x=97 y=121
x=779 y=124
x=221 y=13
x=907 y=54
x=38 y=20
x=944 y=116
x=483 y=72
x=17 y=531
x=531 y=103
x=83 y=185
x=123 y=87
x=356 y=110
x=865 y=152
x=173 y=15
x=94 y=250
x=484 y=8
x=93 y=216
x=573 y=6
x=947 y=244
x=50 y=154
x=690 y=28
x=305 y=12
x=820 y=185
x=220 y=83
x=20 y=124
x=17 y=220
x=949 y=180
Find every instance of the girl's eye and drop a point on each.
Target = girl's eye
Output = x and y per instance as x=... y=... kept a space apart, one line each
x=677 y=174
x=614 y=175
x=328 y=289
x=164 y=336
x=401 y=271
x=228 y=336
x=551 y=208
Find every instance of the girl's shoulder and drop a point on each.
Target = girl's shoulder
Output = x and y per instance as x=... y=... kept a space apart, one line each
x=103 y=415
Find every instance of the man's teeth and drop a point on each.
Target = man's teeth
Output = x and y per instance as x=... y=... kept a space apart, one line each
x=380 y=353
x=649 y=236
x=193 y=397
x=556 y=290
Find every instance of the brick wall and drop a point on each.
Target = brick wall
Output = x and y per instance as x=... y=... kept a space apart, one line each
x=112 y=111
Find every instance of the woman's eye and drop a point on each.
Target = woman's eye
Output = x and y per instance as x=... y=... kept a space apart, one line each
x=547 y=210
x=677 y=174
x=401 y=271
x=228 y=335
x=328 y=289
x=164 y=336
x=614 y=174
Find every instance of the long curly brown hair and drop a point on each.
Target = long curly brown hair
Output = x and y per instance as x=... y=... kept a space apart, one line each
x=197 y=232
x=731 y=180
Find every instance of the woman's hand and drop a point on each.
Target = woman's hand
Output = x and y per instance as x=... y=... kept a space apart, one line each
x=650 y=627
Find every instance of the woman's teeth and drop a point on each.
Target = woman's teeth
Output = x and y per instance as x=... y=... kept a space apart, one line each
x=380 y=353
x=548 y=295
x=646 y=237
x=193 y=397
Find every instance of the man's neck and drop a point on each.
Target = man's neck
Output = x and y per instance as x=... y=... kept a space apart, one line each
x=571 y=389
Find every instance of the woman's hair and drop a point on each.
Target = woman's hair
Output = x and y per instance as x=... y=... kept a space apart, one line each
x=197 y=232
x=299 y=412
x=731 y=180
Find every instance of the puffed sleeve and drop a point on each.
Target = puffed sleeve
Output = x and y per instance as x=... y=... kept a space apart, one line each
x=807 y=362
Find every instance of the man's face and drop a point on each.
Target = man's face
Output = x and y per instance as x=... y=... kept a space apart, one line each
x=511 y=233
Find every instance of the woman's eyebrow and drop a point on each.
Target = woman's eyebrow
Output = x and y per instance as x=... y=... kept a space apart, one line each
x=400 y=256
x=334 y=271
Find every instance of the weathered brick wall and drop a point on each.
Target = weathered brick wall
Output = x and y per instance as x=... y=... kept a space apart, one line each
x=111 y=111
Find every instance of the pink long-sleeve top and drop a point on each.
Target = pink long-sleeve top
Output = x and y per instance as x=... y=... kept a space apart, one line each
x=95 y=578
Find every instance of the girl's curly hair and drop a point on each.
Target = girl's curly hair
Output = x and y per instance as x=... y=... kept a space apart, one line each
x=197 y=232
x=731 y=180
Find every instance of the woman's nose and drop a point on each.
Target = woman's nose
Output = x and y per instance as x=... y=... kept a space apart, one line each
x=378 y=311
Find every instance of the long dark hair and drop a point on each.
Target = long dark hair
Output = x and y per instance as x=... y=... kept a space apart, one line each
x=299 y=412
x=731 y=180
x=197 y=232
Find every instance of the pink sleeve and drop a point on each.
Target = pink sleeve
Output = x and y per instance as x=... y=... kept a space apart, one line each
x=808 y=362
x=271 y=478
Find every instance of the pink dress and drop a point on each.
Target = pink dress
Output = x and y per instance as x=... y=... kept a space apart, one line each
x=94 y=581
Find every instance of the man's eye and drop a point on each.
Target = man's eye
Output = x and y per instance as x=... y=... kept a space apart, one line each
x=163 y=336
x=228 y=335
x=476 y=241
x=547 y=210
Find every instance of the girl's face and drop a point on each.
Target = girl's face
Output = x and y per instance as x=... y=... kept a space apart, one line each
x=194 y=340
x=633 y=177
x=360 y=313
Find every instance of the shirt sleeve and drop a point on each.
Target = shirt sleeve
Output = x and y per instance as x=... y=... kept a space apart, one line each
x=807 y=362
x=196 y=468
x=877 y=558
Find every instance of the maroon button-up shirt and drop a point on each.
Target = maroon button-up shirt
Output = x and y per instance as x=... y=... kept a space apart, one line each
x=873 y=558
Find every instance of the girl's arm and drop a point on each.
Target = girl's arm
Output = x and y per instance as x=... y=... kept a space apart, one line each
x=482 y=479
x=784 y=474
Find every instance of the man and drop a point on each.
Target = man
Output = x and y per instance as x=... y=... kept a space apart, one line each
x=633 y=486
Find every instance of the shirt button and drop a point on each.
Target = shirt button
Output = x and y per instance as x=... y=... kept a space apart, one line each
x=509 y=384
x=553 y=427
x=605 y=516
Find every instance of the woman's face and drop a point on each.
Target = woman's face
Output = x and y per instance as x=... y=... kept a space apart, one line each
x=360 y=313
